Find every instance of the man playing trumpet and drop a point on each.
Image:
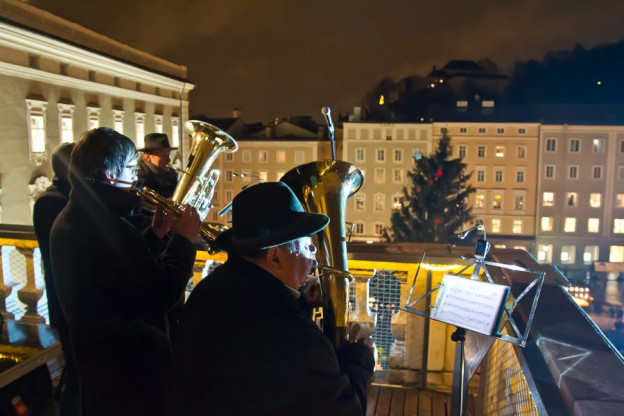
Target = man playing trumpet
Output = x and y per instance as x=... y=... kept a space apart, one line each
x=113 y=291
x=244 y=344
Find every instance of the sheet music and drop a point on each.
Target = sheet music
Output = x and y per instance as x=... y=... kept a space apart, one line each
x=470 y=304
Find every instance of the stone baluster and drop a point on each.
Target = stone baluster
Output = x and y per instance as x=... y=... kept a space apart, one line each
x=5 y=292
x=406 y=357
x=29 y=294
x=362 y=313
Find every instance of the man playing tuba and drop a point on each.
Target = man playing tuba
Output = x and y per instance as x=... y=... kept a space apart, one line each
x=246 y=343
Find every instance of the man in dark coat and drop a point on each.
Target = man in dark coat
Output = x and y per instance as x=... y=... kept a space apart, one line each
x=245 y=345
x=155 y=172
x=47 y=207
x=114 y=292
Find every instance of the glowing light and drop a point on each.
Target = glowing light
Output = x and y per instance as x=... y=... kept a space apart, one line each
x=382 y=100
x=440 y=267
x=598 y=83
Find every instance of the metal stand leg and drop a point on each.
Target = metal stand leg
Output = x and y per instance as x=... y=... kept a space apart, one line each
x=460 y=375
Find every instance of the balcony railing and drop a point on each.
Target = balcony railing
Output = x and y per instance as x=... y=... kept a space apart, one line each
x=411 y=350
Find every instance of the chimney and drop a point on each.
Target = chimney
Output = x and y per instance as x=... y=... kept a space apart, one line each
x=237 y=112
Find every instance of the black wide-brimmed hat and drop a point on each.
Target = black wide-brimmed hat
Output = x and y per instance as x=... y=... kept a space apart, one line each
x=268 y=215
x=155 y=141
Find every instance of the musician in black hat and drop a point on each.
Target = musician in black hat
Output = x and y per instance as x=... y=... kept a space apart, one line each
x=245 y=345
x=155 y=172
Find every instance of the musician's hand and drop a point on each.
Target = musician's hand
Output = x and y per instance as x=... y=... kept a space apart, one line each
x=312 y=292
x=162 y=220
x=188 y=224
x=360 y=335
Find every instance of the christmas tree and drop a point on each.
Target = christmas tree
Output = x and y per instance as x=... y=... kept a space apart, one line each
x=433 y=208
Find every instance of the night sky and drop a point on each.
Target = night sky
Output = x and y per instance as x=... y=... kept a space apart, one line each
x=277 y=58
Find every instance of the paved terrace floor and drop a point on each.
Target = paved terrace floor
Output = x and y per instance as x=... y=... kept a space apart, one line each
x=396 y=401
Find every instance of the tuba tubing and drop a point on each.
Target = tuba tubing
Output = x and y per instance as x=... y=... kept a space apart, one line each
x=323 y=187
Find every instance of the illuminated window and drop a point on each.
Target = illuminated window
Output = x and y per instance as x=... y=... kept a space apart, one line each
x=593 y=225
x=379 y=202
x=139 y=129
x=569 y=224
x=519 y=202
x=550 y=171
x=379 y=228
x=175 y=132
x=397 y=175
x=158 y=123
x=380 y=175
x=618 y=226
x=246 y=156
x=118 y=124
x=548 y=199
x=547 y=223
x=571 y=199
x=263 y=156
x=360 y=201
x=462 y=151
x=279 y=174
x=479 y=201
x=36 y=125
x=496 y=225
x=66 y=122
x=396 y=201
x=616 y=254
x=263 y=174
x=500 y=151
x=544 y=253
x=360 y=154
x=598 y=145
x=619 y=200
x=93 y=117
x=517 y=227
x=280 y=156
x=595 y=200
x=568 y=254
x=497 y=202
x=551 y=145
x=573 y=172
x=591 y=254
x=481 y=151
x=575 y=145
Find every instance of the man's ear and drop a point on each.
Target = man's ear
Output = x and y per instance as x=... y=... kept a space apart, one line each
x=273 y=258
x=110 y=176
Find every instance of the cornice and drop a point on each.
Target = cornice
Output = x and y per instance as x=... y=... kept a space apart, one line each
x=24 y=40
x=31 y=74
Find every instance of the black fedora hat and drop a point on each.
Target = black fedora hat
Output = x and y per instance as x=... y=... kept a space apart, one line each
x=155 y=141
x=268 y=215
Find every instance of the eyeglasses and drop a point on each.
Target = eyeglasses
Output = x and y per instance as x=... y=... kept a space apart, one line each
x=134 y=169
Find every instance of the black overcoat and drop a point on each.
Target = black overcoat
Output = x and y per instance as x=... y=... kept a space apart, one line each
x=244 y=346
x=115 y=295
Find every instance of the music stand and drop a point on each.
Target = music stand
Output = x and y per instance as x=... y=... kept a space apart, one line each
x=467 y=312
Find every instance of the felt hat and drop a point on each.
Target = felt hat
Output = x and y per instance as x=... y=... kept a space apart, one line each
x=155 y=141
x=268 y=215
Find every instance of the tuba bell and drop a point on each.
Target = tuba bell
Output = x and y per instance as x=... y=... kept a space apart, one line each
x=323 y=187
x=197 y=182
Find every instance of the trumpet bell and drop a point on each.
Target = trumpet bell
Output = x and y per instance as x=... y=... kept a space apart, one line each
x=323 y=187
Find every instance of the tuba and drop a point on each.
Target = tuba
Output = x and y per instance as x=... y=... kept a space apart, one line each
x=323 y=187
x=197 y=183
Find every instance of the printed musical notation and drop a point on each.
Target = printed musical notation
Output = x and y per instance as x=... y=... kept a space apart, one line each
x=470 y=304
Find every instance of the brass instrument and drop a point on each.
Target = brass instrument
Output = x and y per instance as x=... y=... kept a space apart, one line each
x=323 y=187
x=197 y=183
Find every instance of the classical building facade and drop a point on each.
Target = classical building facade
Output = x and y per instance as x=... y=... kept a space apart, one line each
x=580 y=203
x=384 y=153
x=58 y=80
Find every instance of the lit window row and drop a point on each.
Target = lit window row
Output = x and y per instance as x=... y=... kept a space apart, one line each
x=568 y=253
x=570 y=225
x=481 y=151
x=574 y=145
x=572 y=200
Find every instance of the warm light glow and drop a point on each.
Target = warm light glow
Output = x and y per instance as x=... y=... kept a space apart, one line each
x=382 y=100
x=440 y=267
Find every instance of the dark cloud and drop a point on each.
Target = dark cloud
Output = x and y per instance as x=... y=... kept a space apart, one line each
x=285 y=57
